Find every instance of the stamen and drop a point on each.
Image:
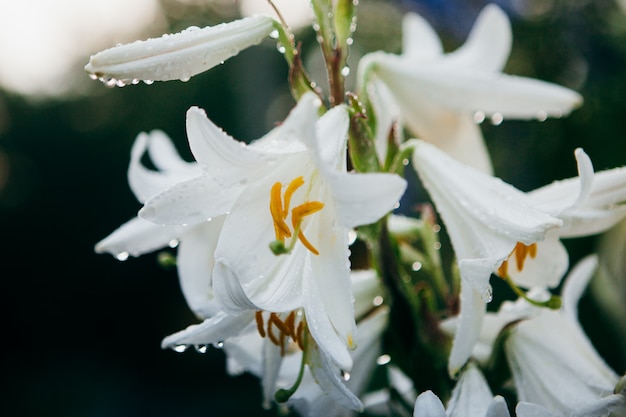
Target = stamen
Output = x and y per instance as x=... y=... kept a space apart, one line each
x=521 y=252
x=259 y=323
x=298 y=213
x=291 y=188
x=276 y=209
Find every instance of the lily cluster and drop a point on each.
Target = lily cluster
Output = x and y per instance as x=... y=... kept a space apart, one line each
x=263 y=230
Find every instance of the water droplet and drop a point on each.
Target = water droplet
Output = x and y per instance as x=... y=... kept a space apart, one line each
x=487 y=295
x=405 y=162
x=542 y=116
x=148 y=82
x=345 y=71
x=219 y=345
x=479 y=117
x=378 y=301
x=436 y=228
x=180 y=348
x=350 y=41
x=173 y=243
x=352 y=235
x=185 y=78
x=274 y=34
x=201 y=348
x=345 y=375
x=122 y=256
x=280 y=48
x=93 y=76
x=497 y=119
x=383 y=359
x=416 y=266
x=397 y=205
x=436 y=245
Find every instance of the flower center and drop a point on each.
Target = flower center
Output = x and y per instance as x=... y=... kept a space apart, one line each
x=282 y=329
x=279 y=208
x=521 y=252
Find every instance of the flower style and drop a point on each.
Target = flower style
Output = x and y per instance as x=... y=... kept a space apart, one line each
x=305 y=222
x=440 y=97
x=239 y=336
x=560 y=370
x=485 y=218
x=178 y=56
x=471 y=397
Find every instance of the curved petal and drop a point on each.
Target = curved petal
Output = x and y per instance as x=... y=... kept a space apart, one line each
x=420 y=42
x=195 y=263
x=190 y=202
x=428 y=405
x=576 y=284
x=332 y=135
x=364 y=198
x=468 y=328
x=226 y=160
x=471 y=396
x=489 y=43
x=498 y=408
x=546 y=269
x=525 y=409
x=213 y=330
x=330 y=381
x=471 y=90
x=137 y=237
x=145 y=182
x=180 y=55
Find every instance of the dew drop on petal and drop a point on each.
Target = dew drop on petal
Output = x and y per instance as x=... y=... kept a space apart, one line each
x=479 y=117
x=122 y=256
x=542 y=116
x=345 y=375
x=378 y=301
x=487 y=296
x=201 y=348
x=352 y=235
x=219 y=345
x=416 y=266
x=383 y=359
x=173 y=243
x=497 y=119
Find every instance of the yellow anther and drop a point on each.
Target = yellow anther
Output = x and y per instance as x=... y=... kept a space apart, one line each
x=276 y=209
x=521 y=252
x=291 y=188
x=279 y=209
x=279 y=331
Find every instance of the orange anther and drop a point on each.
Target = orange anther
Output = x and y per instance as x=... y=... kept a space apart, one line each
x=291 y=188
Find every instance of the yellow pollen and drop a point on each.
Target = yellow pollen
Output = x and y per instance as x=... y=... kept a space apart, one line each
x=521 y=253
x=279 y=209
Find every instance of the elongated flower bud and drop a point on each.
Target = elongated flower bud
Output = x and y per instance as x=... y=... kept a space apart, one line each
x=177 y=56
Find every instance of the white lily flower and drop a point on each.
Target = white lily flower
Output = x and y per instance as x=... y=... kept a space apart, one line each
x=485 y=218
x=471 y=397
x=308 y=217
x=587 y=205
x=553 y=362
x=178 y=56
x=138 y=236
x=278 y=366
x=441 y=97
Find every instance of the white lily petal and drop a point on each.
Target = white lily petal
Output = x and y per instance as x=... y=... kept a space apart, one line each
x=471 y=397
x=226 y=160
x=489 y=43
x=547 y=267
x=485 y=217
x=179 y=56
x=468 y=328
x=525 y=409
x=137 y=237
x=419 y=40
x=189 y=202
x=228 y=290
x=195 y=265
x=428 y=405
x=145 y=182
x=365 y=198
x=271 y=362
x=213 y=330
x=576 y=284
x=512 y=97
x=332 y=135
x=329 y=380
x=498 y=408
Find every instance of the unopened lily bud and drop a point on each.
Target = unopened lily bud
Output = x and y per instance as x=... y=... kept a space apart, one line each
x=177 y=56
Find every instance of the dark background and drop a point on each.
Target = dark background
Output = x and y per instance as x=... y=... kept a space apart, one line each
x=82 y=331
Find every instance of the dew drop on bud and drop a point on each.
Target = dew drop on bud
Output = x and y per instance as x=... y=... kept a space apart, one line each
x=180 y=348
x=122 y=256
x=274 y=34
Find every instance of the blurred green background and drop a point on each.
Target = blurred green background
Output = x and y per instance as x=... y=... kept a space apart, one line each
x=82 y=331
